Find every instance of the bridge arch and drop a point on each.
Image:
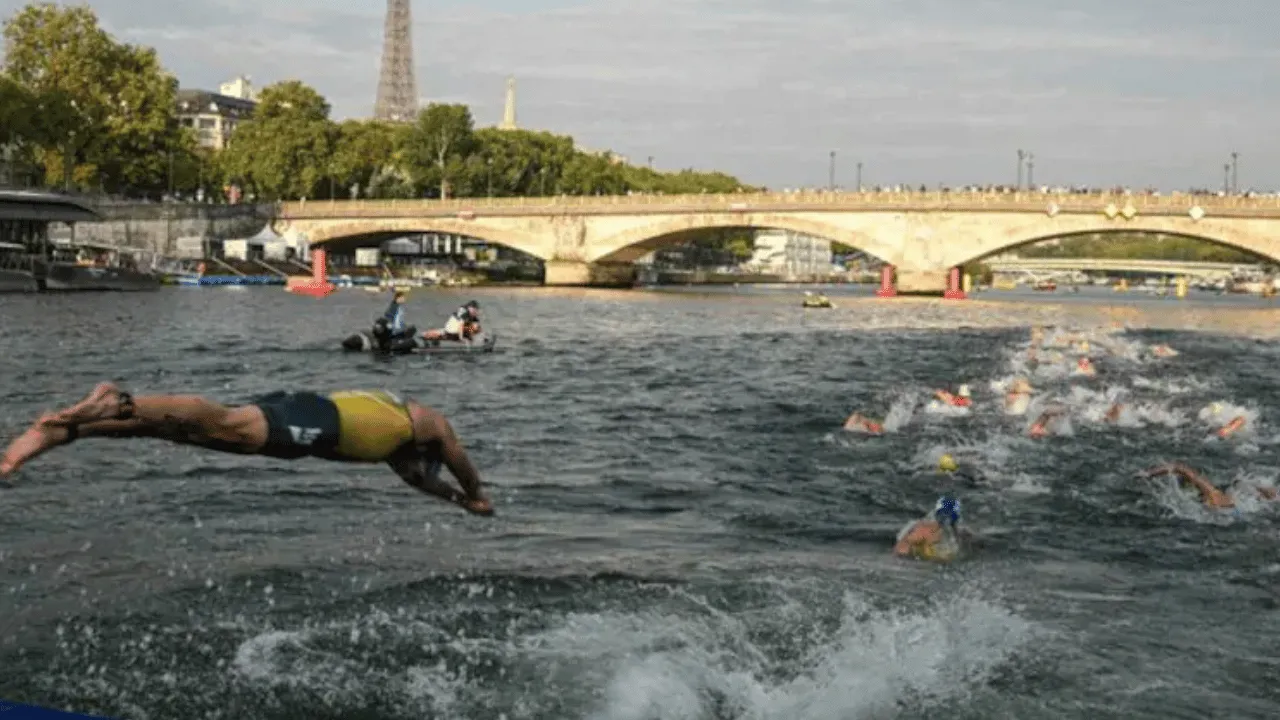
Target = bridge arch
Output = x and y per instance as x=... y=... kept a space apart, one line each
x=1229 y=235
x=633 y=243
x=341 y=236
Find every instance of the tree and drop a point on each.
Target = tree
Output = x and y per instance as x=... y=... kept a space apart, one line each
x=439 y=144
x=107 y=109
x=368 y=157
x=592 y=175
x=285 y=150
x=16 y=111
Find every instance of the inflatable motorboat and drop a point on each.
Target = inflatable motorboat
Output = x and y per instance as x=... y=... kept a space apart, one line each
x=410 y=344
x=380 y=340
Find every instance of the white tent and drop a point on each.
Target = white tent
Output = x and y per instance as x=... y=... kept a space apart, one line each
x=273 y=246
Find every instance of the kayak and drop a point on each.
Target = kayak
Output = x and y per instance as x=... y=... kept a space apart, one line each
x=416 y=344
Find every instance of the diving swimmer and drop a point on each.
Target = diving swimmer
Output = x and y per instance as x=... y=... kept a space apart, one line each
x=934 y=537
x=346 y=426
x=1210 y=495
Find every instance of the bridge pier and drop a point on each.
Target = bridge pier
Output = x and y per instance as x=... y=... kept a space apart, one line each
x=574 y=273
x=955 y=290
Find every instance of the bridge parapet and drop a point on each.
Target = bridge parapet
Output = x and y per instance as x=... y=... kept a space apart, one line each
x=1049 y=203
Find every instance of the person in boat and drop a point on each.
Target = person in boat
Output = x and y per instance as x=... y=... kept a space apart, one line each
x=1210 y=494
x=391 y=326
x=347 y=426
x=959 y=399
x=462 y=325
x=937 y=536
x=858 y=422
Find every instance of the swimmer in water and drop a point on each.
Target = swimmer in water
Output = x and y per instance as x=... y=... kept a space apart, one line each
x=959 y=399
x=1210 y=495
x=1113 y=413
x=1084 y=366
x=349 y=426
x=1163 y=351
x=1018 y=398
x=948 y=465
x=1040 y=428
x=860 y=423
x=937 y=536
x=1231 y=427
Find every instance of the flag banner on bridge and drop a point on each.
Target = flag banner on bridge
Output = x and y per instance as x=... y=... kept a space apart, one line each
x=18 y=711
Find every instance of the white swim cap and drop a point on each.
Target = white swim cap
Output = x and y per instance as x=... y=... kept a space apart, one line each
x=964 y=391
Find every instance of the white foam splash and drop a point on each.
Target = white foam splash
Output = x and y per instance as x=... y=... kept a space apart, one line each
x=674 y=667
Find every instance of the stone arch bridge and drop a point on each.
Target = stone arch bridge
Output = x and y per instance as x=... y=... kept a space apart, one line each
x=922 y=237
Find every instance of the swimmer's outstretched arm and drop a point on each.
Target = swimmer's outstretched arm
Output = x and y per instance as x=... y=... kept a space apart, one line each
x=1187 y=475
x=422 y=474
x=419 y=464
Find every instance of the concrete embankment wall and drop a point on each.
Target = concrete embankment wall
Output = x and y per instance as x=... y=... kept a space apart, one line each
x=156 y=226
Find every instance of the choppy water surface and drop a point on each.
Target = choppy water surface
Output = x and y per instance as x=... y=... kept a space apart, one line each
x=683 y=529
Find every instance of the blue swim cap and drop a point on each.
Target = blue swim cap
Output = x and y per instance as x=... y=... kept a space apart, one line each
x=947 y=511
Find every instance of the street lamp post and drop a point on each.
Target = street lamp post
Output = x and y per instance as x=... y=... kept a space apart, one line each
x=1031 y=169
x=1235 y=172
x=1022 y=155
x=1226 y=179
x=831 y=173
x=859 y=178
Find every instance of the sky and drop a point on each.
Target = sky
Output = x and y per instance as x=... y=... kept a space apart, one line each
x=1122 y=92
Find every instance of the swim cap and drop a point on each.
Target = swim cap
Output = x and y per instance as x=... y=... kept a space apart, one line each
x=964 y=391
x=947 y=511
x=946 y=463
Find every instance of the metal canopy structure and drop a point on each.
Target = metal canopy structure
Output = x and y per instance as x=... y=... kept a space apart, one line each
x=44 y=207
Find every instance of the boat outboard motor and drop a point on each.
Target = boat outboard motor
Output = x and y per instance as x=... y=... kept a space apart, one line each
x=381 y=334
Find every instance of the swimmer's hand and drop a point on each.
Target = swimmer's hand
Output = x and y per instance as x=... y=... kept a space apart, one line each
x=478 y=506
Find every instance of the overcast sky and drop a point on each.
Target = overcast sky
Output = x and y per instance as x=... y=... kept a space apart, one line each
x=1138 y=92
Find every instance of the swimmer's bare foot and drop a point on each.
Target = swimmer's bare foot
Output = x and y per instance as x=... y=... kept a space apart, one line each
x=104 y=402
x=41 y=437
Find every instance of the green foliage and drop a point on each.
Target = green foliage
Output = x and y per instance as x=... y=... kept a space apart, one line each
x=1146 y=246
x=105 y=109
x=91 y=112
x=366 y=159
x=286 y=150
x=17 y=111
x=439 y=146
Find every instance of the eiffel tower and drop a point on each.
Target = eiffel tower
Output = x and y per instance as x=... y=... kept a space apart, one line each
x=397 y=99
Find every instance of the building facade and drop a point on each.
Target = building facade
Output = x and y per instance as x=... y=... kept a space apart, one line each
x=214 y=116
x=789 y=253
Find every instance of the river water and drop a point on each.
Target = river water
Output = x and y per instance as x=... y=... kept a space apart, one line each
x=683 y=529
